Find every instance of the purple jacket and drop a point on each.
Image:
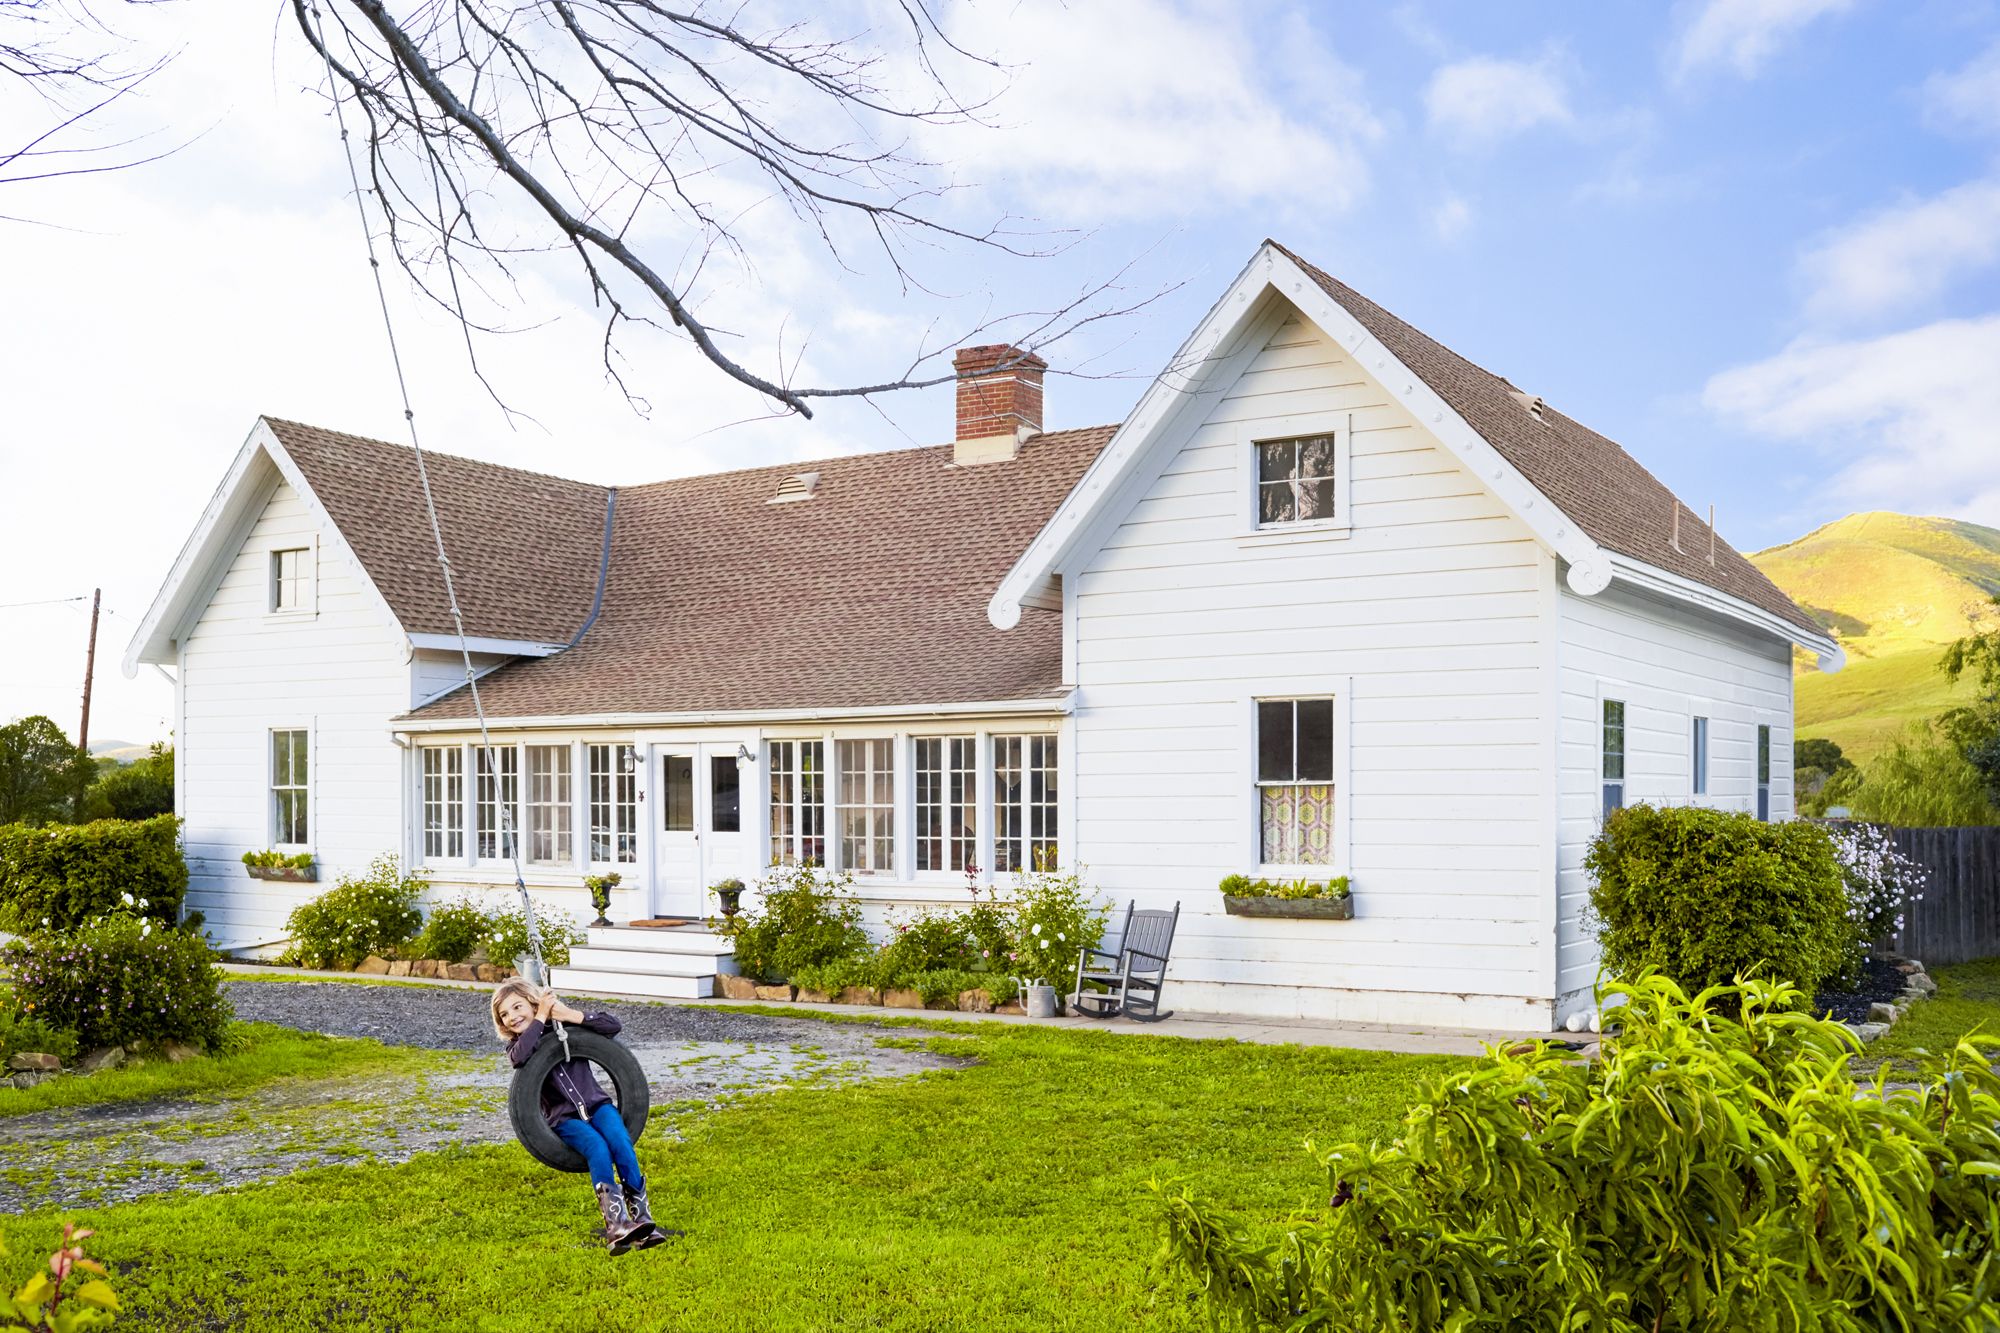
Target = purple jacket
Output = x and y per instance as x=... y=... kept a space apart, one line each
x=570 y=1083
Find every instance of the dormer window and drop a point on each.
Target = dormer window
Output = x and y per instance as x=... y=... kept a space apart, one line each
x=291 y=580
x=1295 y=480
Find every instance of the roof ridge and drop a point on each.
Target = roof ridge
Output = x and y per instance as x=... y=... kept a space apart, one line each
x=432 y=453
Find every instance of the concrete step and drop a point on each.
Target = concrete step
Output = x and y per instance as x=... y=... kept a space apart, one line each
x=574 y=979
x=650 y=961
x=688 y=940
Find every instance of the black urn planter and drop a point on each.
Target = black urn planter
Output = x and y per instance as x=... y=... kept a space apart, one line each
x=730 y=900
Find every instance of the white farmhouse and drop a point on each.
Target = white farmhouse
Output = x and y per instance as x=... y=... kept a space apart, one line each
x=1332 y=601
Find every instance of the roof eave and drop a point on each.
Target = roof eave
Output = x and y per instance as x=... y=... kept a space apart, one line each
x=1058 y=705
x=1827 y=653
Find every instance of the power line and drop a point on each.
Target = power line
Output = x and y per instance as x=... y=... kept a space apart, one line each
x=51 y=601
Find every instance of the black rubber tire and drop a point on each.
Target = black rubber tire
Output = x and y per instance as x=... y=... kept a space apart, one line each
x=524 y=1098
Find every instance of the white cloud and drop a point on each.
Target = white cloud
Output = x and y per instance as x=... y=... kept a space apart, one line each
x=1967 y=98
x=1134 y=108
x=1743 y=34
x=1904 y=255
x=1907 y=421
x=1450 y=218
x=1484 y=99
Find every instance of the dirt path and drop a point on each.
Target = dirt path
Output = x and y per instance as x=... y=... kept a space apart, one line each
x=111 y=1153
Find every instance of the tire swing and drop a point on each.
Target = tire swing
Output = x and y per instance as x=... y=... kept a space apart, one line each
x=630 y=1092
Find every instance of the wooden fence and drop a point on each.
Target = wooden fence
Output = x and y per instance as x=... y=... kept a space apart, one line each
x=1958 y=918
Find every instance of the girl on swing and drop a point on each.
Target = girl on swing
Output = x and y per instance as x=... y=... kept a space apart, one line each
x=580 y=1112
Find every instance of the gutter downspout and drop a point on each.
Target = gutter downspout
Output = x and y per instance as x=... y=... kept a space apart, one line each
x=603 y=568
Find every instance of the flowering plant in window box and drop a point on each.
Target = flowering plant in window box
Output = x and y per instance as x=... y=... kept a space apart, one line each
x=1325 y=900
x=298 y=869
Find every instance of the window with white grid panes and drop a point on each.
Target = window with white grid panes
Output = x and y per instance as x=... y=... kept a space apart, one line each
x=291 y=825
x=612 y=772
x=551 y=807
x=1024 y=803
x=291 y=579
x=444 y=801
x=866 y=805
x=947 y=787
x=498 y=804
x=798 y=800
x=1295 y=481
x=1295 y=791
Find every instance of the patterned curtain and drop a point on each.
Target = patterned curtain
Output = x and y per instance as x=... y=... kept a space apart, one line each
x=1298 y=825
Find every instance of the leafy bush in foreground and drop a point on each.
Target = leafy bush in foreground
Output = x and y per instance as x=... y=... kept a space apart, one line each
x=122 y=981
x=1705 y=896
x=362 y=914
x=1707 y=1174
x=59 y=876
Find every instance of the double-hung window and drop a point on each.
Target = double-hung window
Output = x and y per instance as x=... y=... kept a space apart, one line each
x=291 y=579
x=498 y=807
x=1698 y=758
x=866 y=809
x=1295 y=480
x=1295 y=790
x=444 y=801
x=798 y=801
x=550 y=805
x=291 y=825
x=612 y=772
x=947 y=778
x=1763 y=772
x=1024 y=803
x=1611 y=746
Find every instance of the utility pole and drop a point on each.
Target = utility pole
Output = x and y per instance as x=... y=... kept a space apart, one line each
x=89 y=670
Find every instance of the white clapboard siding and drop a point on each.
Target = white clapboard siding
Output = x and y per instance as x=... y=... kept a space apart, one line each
x=1435 y=606
x=339 y=672
x=1668 y=665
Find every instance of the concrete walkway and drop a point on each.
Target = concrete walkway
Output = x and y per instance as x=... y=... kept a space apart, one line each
x=1401 y=1040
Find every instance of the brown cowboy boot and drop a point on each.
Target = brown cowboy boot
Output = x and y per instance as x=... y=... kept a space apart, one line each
x=641 y=1212
x=618 y=1228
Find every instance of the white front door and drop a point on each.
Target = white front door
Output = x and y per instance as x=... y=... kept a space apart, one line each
x=699 y=838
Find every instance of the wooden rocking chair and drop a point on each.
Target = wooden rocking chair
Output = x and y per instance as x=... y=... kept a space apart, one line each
x=1134 y=974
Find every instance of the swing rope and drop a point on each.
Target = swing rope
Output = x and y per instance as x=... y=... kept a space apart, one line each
x=488 y=755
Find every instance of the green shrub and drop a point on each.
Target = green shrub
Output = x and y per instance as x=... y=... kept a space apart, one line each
x=138 y=790
x=1055 y=917
x=943 y=985
x=1705 y=1175
x=275 y=860
x=360 y=915
x=1706 y=896
x=25 y=1032
x=453 y=932
x=505 y=934
x=926 y=942
x=121 y=981
x=59 y=876
x=809 y=916
x=1242 y=886
x=836 y=976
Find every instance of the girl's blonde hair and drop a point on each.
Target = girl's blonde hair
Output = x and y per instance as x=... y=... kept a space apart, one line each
x=507 y=989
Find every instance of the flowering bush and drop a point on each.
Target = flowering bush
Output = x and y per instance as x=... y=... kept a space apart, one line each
x=362 y=914
x=1055 y=917
x=809 y=916
x=1881 y=881
x=505 y=935
x=58 y=877
x=454 y=931
x=121 y=981
x=928 y=941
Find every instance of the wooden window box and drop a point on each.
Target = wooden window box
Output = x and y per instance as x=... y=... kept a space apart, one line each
x=288 y=874
x=1263 y=904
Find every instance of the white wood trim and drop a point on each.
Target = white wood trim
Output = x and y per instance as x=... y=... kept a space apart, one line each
x=772 y=717
x=1341 y=690
x=1830 y=655
x=1548 y=915
x=1245 y=437
x=477 y=644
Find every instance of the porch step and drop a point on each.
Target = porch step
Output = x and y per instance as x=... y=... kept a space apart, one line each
x=653 y=961
x=574 y=979
x=691 y=940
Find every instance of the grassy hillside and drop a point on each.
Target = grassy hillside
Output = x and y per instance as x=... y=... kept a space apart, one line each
x=1895 y=589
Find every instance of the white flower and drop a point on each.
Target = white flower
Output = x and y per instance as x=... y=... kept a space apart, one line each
x=1038 y=927
x=145 y=929
x=127 y=897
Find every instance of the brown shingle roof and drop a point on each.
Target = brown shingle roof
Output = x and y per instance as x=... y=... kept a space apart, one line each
x=1604 y=490
x=525 y=548
x=873 y=592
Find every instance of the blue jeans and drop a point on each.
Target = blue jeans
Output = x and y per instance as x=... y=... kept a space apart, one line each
x=605 y=1145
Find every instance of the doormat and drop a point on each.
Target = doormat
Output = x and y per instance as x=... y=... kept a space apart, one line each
x=660 y=922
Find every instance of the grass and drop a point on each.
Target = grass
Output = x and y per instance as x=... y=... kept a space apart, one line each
x=1007 y=1194
x=256 y=1053
x=1871 y=702
x=1968 y=997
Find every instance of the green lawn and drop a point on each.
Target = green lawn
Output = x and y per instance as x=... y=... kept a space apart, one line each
x=1006 y=1195
x=1968 y=997
x=255 y=1053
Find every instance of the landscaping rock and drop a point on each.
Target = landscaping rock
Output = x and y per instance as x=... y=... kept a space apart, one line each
x=400 y=968
x=28 y=1078
x=1592 y=1051
x=1880 y=1012
x=780 y=991
x=738 y=988
x=486 y=971
x=461 y=972
x=977 y=1001
x=106 y=1057
x=35 y=1061
x=903 y=999
x=1011 y=1007
x=813 y=996
x=860 y=995
x=1868 y=1031
x=178 y=1052
x=1921 y=982
x=373 y=965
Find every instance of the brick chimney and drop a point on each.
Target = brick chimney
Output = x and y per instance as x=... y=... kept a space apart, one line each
x=999 y=402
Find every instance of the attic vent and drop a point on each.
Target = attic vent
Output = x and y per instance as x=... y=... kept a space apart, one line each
x=1530 y=401
x=798 y=486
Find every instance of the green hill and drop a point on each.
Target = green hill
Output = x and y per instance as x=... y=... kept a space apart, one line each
x=1894 y=589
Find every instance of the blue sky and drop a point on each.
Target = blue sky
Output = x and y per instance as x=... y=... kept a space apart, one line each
x=1756 y=241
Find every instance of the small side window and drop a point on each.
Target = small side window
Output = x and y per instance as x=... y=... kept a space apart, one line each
x=1764 y=772
x=1699 y=758
x=291 y=579
x=1612 y=747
